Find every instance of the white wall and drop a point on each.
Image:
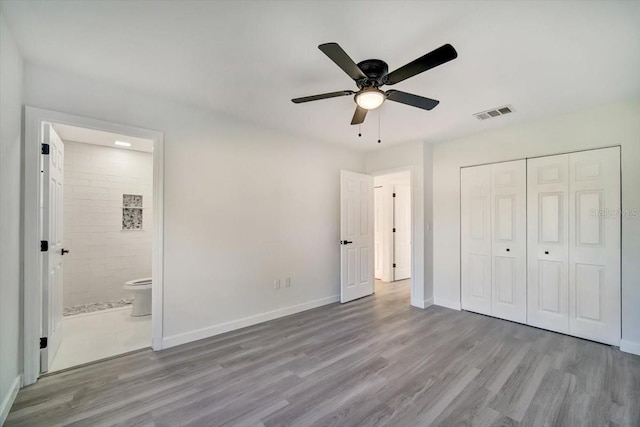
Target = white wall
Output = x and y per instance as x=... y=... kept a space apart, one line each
x=617 y=124
x=103 y=256
x=244 y=205
x=428 y=220
x=11 y=71
x=385 y=184
x=400 y=156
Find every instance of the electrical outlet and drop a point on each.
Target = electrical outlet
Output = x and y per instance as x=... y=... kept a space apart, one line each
x=276 y=284
x=287 y=282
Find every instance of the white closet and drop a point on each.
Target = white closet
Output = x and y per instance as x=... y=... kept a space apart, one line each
x=548 y=243
x=540 y=242
x=493 y=225
x=574 y=244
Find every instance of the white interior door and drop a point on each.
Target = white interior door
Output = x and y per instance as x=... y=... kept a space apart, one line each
x=548 y=242
x=594 y=239
x=356 y=235
x=378 y=233
x=402 y=232
x=475 y=214
x=509 y=246
x=52 y=232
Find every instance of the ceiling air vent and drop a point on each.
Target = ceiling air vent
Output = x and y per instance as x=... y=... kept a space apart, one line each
x=496 y=112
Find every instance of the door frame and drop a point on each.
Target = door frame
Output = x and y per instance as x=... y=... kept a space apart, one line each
x=414 y=261
x=32 y=258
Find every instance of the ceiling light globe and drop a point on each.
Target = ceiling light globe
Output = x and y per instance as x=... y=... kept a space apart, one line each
x=370 y=98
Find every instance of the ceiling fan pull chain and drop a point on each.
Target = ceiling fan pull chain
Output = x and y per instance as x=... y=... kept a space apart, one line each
x=379 y=113
x=359 y=131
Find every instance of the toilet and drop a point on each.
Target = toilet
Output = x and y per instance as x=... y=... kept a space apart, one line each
x=141 y=289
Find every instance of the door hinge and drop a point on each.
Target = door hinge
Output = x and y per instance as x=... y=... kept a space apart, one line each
x=44 y=245
x=394 y=229
x=43 y=343
x=44 y=149
x=394 y=265
x=394 y=194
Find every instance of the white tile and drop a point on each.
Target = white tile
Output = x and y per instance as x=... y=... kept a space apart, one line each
x=94 y=336
x=95 y=179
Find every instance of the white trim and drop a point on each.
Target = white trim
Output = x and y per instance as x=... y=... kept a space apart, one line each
x=210 y=331
x=422 y=304
x=8 y=400
x=442 y=302
x=630 y=347
x=414 y=261
x=31 y=239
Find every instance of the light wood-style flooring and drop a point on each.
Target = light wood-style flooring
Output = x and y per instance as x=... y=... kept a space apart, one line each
x=371 y=362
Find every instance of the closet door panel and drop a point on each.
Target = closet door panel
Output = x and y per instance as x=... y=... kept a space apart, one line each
x=548 y=242
x=594 y=236
x=475 y=209
x=509 y=240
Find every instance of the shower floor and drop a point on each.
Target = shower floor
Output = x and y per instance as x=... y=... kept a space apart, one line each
x=93 y=336
x=96 y=306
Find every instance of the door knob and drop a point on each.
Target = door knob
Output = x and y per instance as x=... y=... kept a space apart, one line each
x=345 y=242
x=64 y=251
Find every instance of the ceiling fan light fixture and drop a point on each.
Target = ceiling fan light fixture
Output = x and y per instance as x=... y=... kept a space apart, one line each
x=370 y=98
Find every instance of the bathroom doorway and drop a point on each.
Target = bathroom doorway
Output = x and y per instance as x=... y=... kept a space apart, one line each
x=392 y=224
x=98 y=223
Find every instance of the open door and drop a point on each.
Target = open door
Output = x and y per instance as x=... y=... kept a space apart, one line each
x=401 y=232
x=357 y=236
x=378 y=233
x=52 y=240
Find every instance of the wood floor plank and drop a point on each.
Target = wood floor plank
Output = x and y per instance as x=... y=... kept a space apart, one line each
x=372 y=362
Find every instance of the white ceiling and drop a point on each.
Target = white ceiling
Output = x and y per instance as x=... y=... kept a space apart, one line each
x=98 y=137
x=249 y=59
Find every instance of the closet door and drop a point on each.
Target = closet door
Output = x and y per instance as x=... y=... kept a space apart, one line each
x=475 y=210
x=548 y=242
x=509 y=235
x=594 y=237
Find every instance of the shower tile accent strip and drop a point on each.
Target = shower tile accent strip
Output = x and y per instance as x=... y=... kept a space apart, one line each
x=96 y=306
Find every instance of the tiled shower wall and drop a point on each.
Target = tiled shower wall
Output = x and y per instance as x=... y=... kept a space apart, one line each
x=103 y=256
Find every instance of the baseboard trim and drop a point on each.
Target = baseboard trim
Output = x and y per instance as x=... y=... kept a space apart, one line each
x=630 y=347
x=210 y=331
x=8 y=400
x=422 y=304
x=442 y=302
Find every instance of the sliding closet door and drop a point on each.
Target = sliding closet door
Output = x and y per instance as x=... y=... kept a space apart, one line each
x=509 y=246
x=594 y=236
x=475 y=210
x=548 y=242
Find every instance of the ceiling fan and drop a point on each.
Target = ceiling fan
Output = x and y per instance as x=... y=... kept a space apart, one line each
x=371 y=74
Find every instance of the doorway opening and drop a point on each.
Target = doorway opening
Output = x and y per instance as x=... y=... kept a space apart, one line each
x=392 y=235
x=106 y=211
x=362 y=259
x=93 y=289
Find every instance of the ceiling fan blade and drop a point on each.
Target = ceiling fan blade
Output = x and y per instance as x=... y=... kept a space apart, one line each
x=410 y=99
x=359 y=115
x=426 y=62
x=342 y=60
x=322 y=96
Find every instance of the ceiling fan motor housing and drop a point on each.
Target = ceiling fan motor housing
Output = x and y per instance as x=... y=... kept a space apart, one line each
x=375 y=70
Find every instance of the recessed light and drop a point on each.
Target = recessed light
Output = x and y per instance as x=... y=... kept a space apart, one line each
x=123 y=144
